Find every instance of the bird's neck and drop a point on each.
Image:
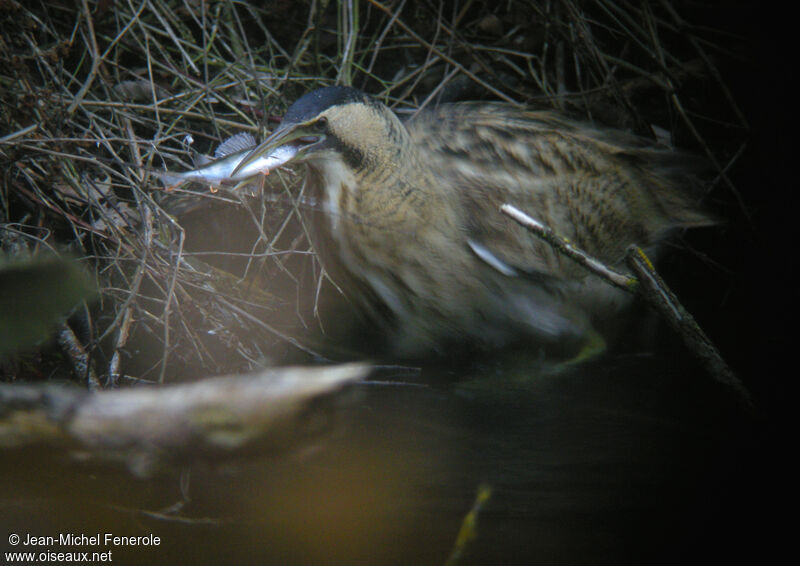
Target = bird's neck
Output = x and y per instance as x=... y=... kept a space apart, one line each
x=397 y=182
x=385 y=182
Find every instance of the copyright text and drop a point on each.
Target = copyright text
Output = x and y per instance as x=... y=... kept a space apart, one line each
x=69 y=547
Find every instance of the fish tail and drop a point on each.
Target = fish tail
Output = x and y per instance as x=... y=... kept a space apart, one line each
x=169 y=180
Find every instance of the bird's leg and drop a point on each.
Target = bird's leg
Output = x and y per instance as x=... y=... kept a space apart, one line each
x=593 y=345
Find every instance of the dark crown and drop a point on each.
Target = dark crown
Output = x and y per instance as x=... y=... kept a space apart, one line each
x=315 y=102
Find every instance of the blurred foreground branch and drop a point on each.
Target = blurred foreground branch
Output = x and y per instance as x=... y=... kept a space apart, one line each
x=149 y=426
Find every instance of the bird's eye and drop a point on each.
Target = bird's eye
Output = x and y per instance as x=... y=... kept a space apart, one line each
x=322 y=124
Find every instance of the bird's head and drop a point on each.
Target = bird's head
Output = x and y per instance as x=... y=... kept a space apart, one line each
x=334 y=123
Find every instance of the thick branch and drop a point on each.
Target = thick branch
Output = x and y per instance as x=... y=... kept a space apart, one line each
x=147 y=426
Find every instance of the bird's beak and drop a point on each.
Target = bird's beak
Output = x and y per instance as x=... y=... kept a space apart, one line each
x=299 y=135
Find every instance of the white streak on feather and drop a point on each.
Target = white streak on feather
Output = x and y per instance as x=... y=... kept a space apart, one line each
x=490 y=259
x=335 y=174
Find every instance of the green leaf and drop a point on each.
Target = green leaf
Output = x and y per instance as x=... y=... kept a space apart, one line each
x=34 y=295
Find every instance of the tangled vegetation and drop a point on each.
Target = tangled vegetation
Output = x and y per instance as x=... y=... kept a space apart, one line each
x=191 y=282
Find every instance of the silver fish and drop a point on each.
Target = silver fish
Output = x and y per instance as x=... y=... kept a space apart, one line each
x=227 y=157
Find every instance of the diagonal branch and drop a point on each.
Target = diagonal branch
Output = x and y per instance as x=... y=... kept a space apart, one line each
x=649 y=285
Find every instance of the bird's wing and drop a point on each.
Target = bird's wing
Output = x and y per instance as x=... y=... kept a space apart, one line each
x=602 y=190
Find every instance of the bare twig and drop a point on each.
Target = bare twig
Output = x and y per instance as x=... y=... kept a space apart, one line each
x=566 y=248
x=122 y=338
x=655 y=292
x=96 y=59
x=469 y=526
x=80 y=359
x=444 y=56
x=659 y=296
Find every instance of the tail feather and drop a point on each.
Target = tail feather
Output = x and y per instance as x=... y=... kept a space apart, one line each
x=676 y=180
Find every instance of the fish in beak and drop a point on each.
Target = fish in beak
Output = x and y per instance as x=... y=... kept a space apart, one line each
x=227 y=168
x=290 y=142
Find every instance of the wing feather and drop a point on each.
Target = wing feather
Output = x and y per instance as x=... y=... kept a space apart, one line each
x=601 y=189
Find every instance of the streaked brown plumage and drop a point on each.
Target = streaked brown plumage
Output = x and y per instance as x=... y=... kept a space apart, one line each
x=411 y=227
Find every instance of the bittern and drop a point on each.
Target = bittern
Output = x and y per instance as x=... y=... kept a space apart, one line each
x=410 y=227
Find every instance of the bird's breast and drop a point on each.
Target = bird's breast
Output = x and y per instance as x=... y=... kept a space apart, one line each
x=388 y=232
